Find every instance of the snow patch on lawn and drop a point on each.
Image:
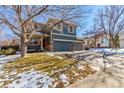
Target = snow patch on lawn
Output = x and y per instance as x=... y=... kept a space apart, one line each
x=50 y=54
x=99 y=63
x=4 y=59
x=59 y=57
x=109 y=50
x=31 y=79
x=95 y=68
x=64 y=79
x=80 y=67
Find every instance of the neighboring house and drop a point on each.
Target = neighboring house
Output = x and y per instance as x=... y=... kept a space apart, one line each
x=4 y=43
x=100 y=40
x=13 y=42
x=103 y=40
x=121 y=37
x=61 y=38
x=8 y=40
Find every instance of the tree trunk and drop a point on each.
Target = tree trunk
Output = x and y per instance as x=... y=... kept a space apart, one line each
x=23 y=45
x=23 y=50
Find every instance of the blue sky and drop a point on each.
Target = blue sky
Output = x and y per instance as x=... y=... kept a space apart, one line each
x=89 y=22
x=6 y=33
x=90 y=18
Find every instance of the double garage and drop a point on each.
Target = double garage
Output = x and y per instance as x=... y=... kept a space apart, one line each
x=66 y=46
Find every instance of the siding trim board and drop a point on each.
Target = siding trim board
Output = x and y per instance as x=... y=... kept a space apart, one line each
x=64 y=35
x=64 y=40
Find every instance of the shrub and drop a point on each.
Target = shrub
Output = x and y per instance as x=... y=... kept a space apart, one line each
x=2 y=52
x=9 y=51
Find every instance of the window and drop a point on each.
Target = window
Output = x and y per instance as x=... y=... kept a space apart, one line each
x=71 y=29
x=98 y=45
x=34 y=41
x=102 y=40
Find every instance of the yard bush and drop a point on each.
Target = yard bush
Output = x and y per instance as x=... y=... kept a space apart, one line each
x=2 y=52
x=9 y=51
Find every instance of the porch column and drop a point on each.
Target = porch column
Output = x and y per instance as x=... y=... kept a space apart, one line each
x=41 y=42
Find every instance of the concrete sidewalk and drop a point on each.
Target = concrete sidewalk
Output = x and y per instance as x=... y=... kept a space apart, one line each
x=113 y=79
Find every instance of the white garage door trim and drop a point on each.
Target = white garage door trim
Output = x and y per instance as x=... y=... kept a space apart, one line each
x=64 y=40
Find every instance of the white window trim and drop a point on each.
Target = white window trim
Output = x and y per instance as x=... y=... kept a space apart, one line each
x=64 y=35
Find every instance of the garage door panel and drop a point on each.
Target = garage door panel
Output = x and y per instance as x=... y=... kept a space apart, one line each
x=122 y=43
x=63 y=46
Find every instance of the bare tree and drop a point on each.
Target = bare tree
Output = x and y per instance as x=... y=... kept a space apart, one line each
x=111 y=20
x=20 y=19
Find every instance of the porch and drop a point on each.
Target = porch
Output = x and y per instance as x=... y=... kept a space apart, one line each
x=39 y=43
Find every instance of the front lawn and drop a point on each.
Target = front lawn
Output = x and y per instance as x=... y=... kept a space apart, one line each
x=43 y=70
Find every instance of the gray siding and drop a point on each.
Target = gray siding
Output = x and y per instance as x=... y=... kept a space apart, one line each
x=67 y=46
x=65 y=31
x=63 y=37
x=121 y=37
x=63 y=46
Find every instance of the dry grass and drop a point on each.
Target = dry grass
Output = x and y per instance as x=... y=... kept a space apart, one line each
x=50 y=64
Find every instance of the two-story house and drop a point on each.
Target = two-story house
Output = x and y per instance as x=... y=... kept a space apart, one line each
x=61 y=38
x=121 y=38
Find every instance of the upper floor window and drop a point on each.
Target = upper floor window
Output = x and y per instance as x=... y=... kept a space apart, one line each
x=102 y=40
x=71 y=29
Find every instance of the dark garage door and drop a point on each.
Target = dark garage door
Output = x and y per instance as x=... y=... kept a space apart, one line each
x=63 y=46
